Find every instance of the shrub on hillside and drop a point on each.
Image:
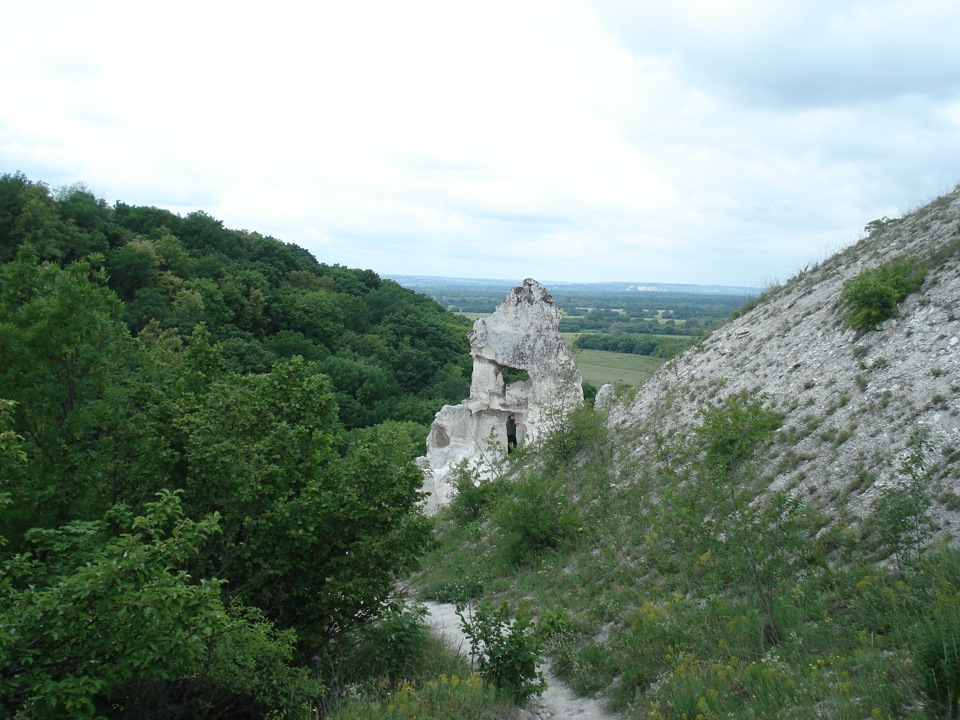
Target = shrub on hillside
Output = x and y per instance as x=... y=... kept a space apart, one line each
x=937 y=652
x=535 y=516
x=475 y=495
x=873 y=295
x=507 y=649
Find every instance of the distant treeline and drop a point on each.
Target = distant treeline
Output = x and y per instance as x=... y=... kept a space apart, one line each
x=654 y=346
x=616 y=323
x=664 y=313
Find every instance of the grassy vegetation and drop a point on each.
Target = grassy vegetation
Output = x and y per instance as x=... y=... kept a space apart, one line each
x=659 y=582
x=440 y=686
x=599 y=367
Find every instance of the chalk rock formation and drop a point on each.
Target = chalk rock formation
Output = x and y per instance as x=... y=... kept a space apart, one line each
x=521 y=334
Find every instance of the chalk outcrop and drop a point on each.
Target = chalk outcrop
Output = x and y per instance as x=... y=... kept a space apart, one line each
x=851 y=400
x=522 y=334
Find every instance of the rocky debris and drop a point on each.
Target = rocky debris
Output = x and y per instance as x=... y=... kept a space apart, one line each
x=521 y=334
x=852 y=399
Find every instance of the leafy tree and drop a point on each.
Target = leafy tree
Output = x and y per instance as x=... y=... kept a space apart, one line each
x=12 y=199
x=61 y=345
x=365 y=390
x=39 y=223
x=131 y=267
x=314 y=313
x=314 y=539
x=144 y=220
x=90 y=219
x=287 y=343
x=78 y=638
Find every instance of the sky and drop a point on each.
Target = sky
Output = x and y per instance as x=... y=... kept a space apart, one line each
x=722 y=142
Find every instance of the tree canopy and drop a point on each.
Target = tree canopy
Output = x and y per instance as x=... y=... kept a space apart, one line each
x=206 y=444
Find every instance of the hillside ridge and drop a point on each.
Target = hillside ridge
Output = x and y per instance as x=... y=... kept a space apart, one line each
x=851 y=399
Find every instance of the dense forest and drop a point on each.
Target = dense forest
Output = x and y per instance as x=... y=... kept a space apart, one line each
x=206 y=439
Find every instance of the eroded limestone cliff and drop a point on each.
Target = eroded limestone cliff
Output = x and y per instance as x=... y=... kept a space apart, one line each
x=521 y=334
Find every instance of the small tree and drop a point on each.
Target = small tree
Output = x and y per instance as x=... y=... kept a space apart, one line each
x=759 y=539
x=507 y=650
x=901 y=511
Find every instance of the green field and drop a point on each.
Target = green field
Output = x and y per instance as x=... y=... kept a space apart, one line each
x=599 y=367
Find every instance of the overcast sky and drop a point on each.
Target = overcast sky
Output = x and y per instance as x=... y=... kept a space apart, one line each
x=725 y=142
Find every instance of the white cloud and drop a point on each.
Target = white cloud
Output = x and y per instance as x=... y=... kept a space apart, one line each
x=688 y=142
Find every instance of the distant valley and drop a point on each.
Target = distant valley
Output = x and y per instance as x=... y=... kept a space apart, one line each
x=428 y=284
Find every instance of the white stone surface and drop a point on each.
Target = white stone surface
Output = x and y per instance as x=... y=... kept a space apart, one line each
x=522 y=334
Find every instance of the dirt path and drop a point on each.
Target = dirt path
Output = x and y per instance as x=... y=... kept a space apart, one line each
x=557 y=701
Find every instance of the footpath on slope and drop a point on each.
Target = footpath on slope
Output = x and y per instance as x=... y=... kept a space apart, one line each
x=557 y=701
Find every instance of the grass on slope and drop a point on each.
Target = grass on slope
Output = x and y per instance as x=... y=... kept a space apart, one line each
x=640 y=600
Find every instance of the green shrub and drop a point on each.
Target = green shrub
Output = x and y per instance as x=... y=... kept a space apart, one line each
x=441 y=687
x=901 y=512
x=937 y=653
x=446 y=696
x=534 y=516
x=507 y=649
x=872 y=296
x=391 y=647
x=574 y=432
x=475 y=496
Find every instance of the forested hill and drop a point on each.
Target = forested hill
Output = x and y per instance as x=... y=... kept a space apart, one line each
x=391 y=354
x=206 y=444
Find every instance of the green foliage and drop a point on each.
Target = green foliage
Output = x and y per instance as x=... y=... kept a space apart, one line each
x=74 y=636
x=937 y=654
x=506 y=649
x=874 y=294
x=454 y=694
x=654 y=345
x=314 y=539
x=475 y=496
x=758 y=542
x=11 y=454
x=10 y=442
x=667 y=607
x=935 y=634
x=61 y=346
x=901 y=512
x=535 y=515
x=392 y=647
x=570 y=433
x=279 y=530
x=880 y=224
x=261 y=298
x=734 y=432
